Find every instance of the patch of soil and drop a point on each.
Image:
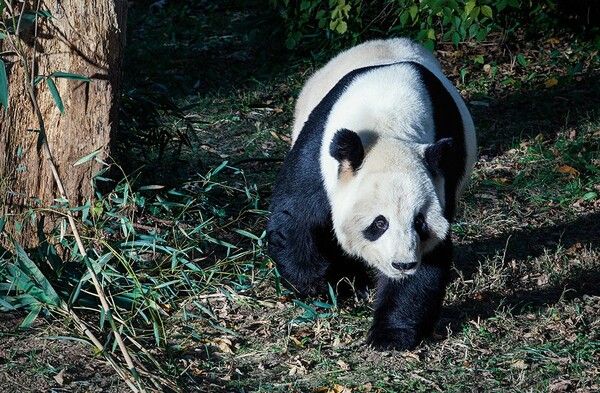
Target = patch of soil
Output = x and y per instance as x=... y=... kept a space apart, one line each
x=42 y=360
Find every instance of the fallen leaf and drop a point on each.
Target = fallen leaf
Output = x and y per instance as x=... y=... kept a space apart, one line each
x=60 y=377
x=551 y=82
x=553 y=41
x=284 y=138
x=559 y=386
x=337 y=388
x=574 y=248
x=343 y=365
x=567 y=170
x=411 y=356
x=224 y=344
x=501 y=180
x=296 y=341
x=480 y=296
x=519 y=365
x=543 y=279
x=296 y=369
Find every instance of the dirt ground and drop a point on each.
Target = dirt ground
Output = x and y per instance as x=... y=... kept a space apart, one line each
x=42 y=361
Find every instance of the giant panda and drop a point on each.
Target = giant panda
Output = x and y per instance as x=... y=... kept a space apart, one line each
x=382 y=147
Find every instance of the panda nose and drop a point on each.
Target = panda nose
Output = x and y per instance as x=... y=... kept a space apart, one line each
x=402 y=266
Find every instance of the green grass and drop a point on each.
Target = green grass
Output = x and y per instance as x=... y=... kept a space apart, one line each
x=179 y=243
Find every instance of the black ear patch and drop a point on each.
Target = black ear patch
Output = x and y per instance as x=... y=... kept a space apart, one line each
x=347 y=148
x=439 y=156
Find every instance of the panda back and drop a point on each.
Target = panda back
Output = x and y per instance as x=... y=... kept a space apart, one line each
x=371 y=53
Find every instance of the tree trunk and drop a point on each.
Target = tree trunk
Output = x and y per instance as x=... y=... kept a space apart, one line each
x=81 y=37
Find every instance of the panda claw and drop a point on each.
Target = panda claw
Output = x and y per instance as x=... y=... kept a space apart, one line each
x=392 y=339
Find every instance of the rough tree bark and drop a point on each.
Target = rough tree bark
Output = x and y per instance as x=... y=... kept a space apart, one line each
x=82 y=37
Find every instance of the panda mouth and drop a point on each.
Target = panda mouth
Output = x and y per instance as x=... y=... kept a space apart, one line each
x=405 y=266
x=403 y=269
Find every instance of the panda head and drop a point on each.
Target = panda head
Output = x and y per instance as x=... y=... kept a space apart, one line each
x=387 y=200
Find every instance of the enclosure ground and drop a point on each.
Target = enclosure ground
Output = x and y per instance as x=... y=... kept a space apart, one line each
x=522 y=313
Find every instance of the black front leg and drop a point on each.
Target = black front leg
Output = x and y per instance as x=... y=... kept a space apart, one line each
x=293 y=246
x=407 y=310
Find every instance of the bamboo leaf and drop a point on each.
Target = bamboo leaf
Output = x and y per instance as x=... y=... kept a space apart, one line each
x=3 y=85
x=306 y=307
x=68 y=338
x=31 y=271
x=246 y=234
x=151 y=187
x=33 y=314
x=68 y=75
x=321 y=304
x=87 y=157
x=6 y=306
x=55 y=95
x=332 y=296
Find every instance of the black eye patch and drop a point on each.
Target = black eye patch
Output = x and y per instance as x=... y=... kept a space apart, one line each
x=376 y=229
x=421 y=227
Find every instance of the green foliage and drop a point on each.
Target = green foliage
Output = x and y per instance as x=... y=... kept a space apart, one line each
x=311 y=18
x=3 y=85
x=52 y=85
x=146 y=269
x=429 y=21
x=18 y=24
x=311 y=312
x=450 y=20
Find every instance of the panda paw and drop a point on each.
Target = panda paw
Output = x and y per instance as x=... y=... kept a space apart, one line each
x=305 y=286
x=400 y=339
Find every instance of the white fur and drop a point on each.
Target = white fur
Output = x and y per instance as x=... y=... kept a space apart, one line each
x=391 y=183
x=391 y=111
x=379 y=52
x=367 y=54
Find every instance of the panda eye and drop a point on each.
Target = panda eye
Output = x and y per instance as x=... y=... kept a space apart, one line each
x=376 y=229
x=421 y=227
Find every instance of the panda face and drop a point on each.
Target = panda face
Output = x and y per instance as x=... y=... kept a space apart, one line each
x=387 y=211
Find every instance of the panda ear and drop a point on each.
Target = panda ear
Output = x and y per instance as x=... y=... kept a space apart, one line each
x=347 y=148
x=439 y=156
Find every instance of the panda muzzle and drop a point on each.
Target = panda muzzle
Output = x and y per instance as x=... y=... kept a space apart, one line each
x=404 y=266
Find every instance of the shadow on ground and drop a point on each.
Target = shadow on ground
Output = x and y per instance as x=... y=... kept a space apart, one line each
x=522 y=246
x=181 y=57
x=527 y=114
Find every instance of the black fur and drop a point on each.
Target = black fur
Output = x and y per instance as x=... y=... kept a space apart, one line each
x=300 y=231
x=301 y=237
x=346 y=147
x=408 y=309
x=448 y=124
x=377 y=228
x=421 y=227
